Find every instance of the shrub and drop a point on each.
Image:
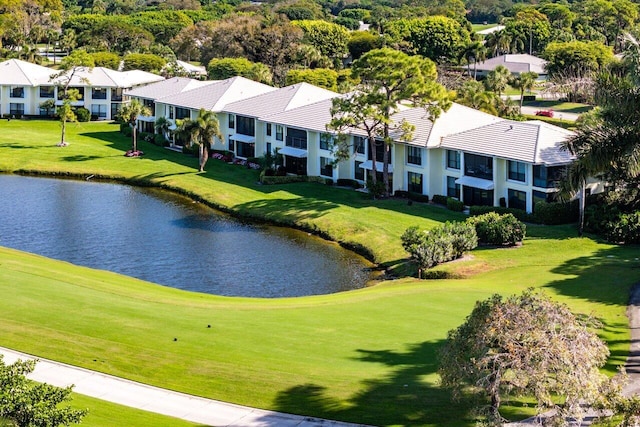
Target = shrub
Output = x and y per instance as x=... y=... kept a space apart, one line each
x=343 y=182
x=454 y=204
x=556 y=212
x=126 y=130
x=522 y=215
x=440 y=244
x=376 y=190
x=439 y=199
x=625 y=229
x=495 y=229
x=83 y=114
x=417 y=197
x=159 y=140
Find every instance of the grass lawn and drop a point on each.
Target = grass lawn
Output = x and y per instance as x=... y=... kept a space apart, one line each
x=364 y=356
x=559 y=106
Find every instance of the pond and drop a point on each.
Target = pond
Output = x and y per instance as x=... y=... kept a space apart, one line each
x=158 y=236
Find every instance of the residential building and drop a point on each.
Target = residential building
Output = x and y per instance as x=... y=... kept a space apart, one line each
x=476 y=157
x=25 y=86
x=515 y=63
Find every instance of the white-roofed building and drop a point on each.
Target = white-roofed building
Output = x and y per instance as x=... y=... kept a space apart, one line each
x=465 y=153
x=509 y=163
x=24 y=86
x=515 y=63
x=152 y=95
x=252 y=132
x=185 y=97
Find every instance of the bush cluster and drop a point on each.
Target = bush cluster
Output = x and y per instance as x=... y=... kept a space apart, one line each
x=520 y=214
x=82 y=114
x=343 y=182
x=439 y=199
x=416 y=197
x=495 y=229
x=556 y=213
x=454 y=204
x=440 y=244
x=624 y=229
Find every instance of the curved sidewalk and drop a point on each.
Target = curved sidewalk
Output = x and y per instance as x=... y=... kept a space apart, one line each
x=153 y=399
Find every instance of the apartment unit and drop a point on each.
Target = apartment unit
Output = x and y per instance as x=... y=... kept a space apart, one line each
x=476 y=157
x=25 y=86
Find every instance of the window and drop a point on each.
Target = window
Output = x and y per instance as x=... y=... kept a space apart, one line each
x=379 y=152
x=16 y=92
x=453 y=159
x=542 y=197
x=171 y=112
x=517 y=199
x=232 y=145
x=269 y=150
x=116 y=94
x=99 y=110
x=246 y=125
x=279 y=133
x=359 y=172
x=268 y=129
x=326 y=141
x=414 y=182
x=477 y=197
x=296 y=138
x=47 y=92
x=232 y=121
x=182 y=113
x=99 y=93
x=478 y=166
x=245 y=149
x=16 y=109
x=359 y=144
x=115 y=109
x=326 y=167
x=414 y=155
x=547 y=177
x=453 y=189
x=517 y=171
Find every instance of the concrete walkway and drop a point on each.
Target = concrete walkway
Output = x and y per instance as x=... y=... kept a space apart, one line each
x=179 y=405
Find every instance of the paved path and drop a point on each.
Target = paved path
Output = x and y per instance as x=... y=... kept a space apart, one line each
x=179 y=405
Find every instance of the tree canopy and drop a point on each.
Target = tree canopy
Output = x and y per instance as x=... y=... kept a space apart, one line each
x=26 y=403
x=525 y=345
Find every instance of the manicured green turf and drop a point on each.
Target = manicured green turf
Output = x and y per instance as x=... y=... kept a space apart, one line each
x=363 y=356
x=559 y=106
x=106 y=414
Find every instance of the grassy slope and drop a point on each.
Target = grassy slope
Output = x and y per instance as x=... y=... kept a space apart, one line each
x=366 y=356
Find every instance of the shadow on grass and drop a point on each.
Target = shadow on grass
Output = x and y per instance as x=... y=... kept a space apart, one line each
x=295 y=210
x=605 y=276
x=401 y=398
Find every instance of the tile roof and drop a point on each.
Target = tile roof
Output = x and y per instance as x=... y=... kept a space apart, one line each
x=517 y=63
x=106 y=77
x=164 y=88
x=215 y=96
x=532 y=142
x=312 y=117
x=21 y=73
x=457 y=119
x=280 y=100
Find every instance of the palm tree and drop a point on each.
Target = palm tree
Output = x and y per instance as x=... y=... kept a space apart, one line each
x=473 y=94
x=474 y=50
x=498 y=79
x=162 y=126
x=129 y=114
x=525 y=81
x=201 y=131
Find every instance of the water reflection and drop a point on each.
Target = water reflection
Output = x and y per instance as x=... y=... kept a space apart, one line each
x=170 y=240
